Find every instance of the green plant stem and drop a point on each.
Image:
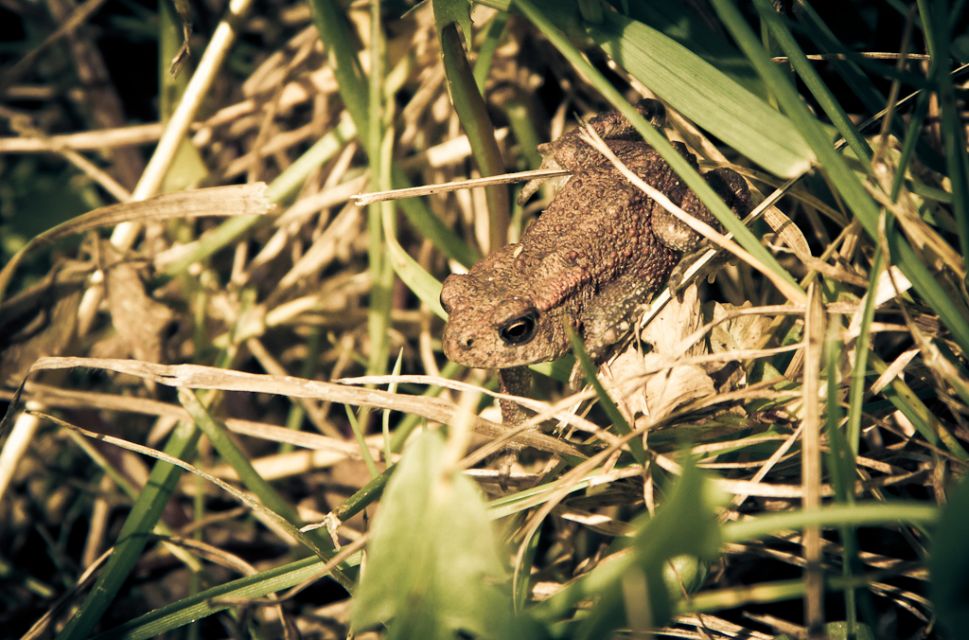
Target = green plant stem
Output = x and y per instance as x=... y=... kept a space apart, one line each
x=473 y=114
x=331 y=22
x=381 y=272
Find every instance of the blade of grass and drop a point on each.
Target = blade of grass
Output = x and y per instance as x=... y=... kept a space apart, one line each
x=704 y=94
x=938 y=20
x=812 y=80
x=188 y=168
x=922 y=418
x=839 y=173
x=360 y=437
x=410 y=421
x=216 y=599
x=218 y=435
x=472 y=111
x=379 y=152
x=131 y=491
x=331 y=22
x=486 y=53
x=814 y=333
x=385 y=414
x=840 y=463
x=308 y=369
x=244 y=201
x=133 y=536
x=861 y=514
x=617 y=419
x=278 y=191
x=856 y=392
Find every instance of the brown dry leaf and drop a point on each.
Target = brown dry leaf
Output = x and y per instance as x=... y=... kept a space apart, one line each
x=679 y=319
x=48 y=332
x=649 y=387
x=787 y=232
x=140 y=320
x=673 y=385
x=739 y=333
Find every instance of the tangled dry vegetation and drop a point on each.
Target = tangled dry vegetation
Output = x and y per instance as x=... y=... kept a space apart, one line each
x=209 y=371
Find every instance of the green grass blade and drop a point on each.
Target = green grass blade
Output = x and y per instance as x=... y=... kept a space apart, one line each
x=216 y=599
x=331 y=22
x=218 y=435
x=855 y=515
x=812 y=80
x=938 y=20
x=839 y=173
x=702 y=93
x=617 y=419
x=281 y=189
x=473 y=114
x=922 y=418
x=422 y=284
x=380 y=152
x=486 y=53
x=856 y=391
x=131 y=541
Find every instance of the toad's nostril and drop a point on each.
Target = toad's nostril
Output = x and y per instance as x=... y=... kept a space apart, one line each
x=468 y=343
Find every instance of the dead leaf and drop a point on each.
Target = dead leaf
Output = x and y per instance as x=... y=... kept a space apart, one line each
x=673 y=385
x=140 y=320
x=738 y=333
x=46 y=332
x=649 y=387
x=679 y=319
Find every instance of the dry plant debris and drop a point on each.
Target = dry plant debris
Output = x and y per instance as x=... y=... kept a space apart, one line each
x=770 y=454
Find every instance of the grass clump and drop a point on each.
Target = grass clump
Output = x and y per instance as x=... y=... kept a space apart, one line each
x=201 y=421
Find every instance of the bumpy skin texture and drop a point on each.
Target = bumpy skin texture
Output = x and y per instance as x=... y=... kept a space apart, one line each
x=592 y=259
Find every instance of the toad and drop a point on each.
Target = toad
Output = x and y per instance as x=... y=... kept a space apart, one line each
x=593 y=258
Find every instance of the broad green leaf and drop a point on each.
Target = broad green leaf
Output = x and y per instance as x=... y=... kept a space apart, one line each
x=433 y=568
x=457 y=12
x=949 y=563
x=702 y=93
x=663 y=559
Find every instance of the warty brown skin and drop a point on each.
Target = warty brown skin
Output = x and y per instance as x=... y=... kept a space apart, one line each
x=592 y=259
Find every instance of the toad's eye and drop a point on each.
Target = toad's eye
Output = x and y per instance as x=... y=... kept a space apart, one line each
x=444 y=305
x=519 y=329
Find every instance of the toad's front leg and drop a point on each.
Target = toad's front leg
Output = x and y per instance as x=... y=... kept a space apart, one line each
x=514 y=381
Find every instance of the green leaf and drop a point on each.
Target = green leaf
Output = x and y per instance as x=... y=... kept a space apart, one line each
x=433 y=567
x=661 y=562
x=709 y=97
x=457 y=12
x=949 y=563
